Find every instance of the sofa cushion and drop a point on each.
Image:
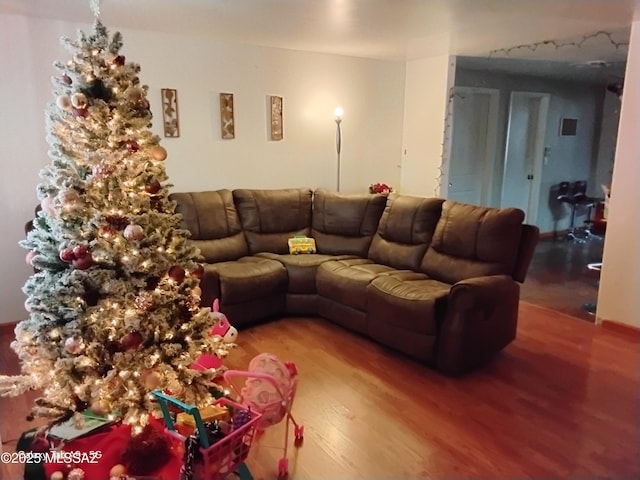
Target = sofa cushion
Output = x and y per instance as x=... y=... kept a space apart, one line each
x=301 y=269
x=213 y=222
x=345 y=224
x=405 y=231
x=270 y=217
x=413 y=305
x=346 y=281
x=244 y=279
x=472 y=241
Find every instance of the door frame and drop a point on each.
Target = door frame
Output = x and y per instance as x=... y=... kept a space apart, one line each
x=491 y=140
x=538 y=155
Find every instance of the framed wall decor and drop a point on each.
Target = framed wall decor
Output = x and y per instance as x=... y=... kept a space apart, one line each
x=227 y=122
x=170 y=112
x=568 y=127
x=276 y=118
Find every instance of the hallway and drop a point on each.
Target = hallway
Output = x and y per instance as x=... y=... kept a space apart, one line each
x=559 y=279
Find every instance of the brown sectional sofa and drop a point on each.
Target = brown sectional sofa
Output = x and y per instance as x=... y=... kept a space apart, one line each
x=434 y=279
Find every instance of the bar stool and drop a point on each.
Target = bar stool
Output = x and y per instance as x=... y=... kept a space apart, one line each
x=565 y=195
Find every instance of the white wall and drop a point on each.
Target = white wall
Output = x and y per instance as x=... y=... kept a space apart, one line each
x=312 y=85
x=619 y=293
x=425 y=108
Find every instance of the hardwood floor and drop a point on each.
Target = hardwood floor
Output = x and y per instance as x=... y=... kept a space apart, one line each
x=559 y=279
x=560 y=402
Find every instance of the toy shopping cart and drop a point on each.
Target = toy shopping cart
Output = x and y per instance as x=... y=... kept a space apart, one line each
x=269 y=388
x=227 y=453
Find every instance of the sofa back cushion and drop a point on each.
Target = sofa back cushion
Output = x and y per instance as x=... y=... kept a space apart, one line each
x=213 y=221
x=472 y=241
x=405 y=231
x=270 y=217
x=345 y=224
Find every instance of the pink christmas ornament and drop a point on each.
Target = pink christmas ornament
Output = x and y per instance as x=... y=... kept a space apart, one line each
x=133 y=232
x=79 y=100
x=48 y=205
x=73 y=345
x=64 y=102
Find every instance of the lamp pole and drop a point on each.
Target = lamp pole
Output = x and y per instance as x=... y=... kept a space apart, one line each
x=338 y=113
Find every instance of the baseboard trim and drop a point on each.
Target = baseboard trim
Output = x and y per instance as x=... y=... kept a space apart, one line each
x=623 y=328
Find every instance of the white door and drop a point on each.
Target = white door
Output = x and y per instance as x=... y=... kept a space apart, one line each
x=472 y=148
x=525 y=152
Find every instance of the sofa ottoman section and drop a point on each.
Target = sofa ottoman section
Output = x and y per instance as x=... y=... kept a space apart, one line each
x=404 y=313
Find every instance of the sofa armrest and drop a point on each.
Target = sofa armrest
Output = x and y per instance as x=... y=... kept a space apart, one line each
x=481 y=319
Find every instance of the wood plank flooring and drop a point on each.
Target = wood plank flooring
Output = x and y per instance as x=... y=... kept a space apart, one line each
x=560 y=402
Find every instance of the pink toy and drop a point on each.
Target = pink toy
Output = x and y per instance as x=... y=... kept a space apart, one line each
x=221 y=328
x=269 y=389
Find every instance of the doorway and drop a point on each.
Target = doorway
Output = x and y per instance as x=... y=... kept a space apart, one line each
x=524 y=152
x=474 y=126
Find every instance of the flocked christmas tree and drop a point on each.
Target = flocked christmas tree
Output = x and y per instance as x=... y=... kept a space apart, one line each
x=114 y=305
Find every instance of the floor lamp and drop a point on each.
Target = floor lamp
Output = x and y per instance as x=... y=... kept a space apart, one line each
x=338 y=113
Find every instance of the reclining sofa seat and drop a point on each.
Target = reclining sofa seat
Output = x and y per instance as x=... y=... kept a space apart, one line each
x=342 y=226
x=463 y=307
x=249 y=288
x=401 y=239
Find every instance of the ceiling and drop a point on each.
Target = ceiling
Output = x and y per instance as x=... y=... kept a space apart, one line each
x=396 y=30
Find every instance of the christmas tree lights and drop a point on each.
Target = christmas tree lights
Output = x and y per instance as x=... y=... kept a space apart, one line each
x=114 y=305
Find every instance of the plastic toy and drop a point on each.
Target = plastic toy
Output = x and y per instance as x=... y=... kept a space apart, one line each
x=225 y=331
x=269 y=388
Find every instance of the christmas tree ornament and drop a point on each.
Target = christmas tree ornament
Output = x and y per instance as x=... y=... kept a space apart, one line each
x=69 y=198
x=132 y=146
x=48 y=205
x=64 y=102
x=133 y=232
x=151 y=379
x=134 y=94
x=99 y=408
x=119 y=60
x=67 y=255
x=80 y=251
x=158 y=153
x=153 y=187
x=82 y=263
x=131 y=340
x=103 y=169
x=67 y=79
x=79 y=100
x=176 y=273
x=57 y=476
x=76 y=474
x=117 y=221
x=73 y=345
x=30 y=256
x=196 y=291
x=118 y=470
x=198 y=270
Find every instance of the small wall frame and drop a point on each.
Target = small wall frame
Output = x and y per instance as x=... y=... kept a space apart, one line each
x=170 y=112
x=276 y=118
x=227 y=121
x=568 y=127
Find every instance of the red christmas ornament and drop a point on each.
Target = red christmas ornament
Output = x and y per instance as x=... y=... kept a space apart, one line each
x=119 y=60
x=82 y=263
x=67 y=255
x=198 y=271
x=66 y=79
x=80 y=251
x=177 y=273
x=132 y=146
x=153 y=188
x=131 y=340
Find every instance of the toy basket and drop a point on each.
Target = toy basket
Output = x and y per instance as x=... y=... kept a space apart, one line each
x=221 y=458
